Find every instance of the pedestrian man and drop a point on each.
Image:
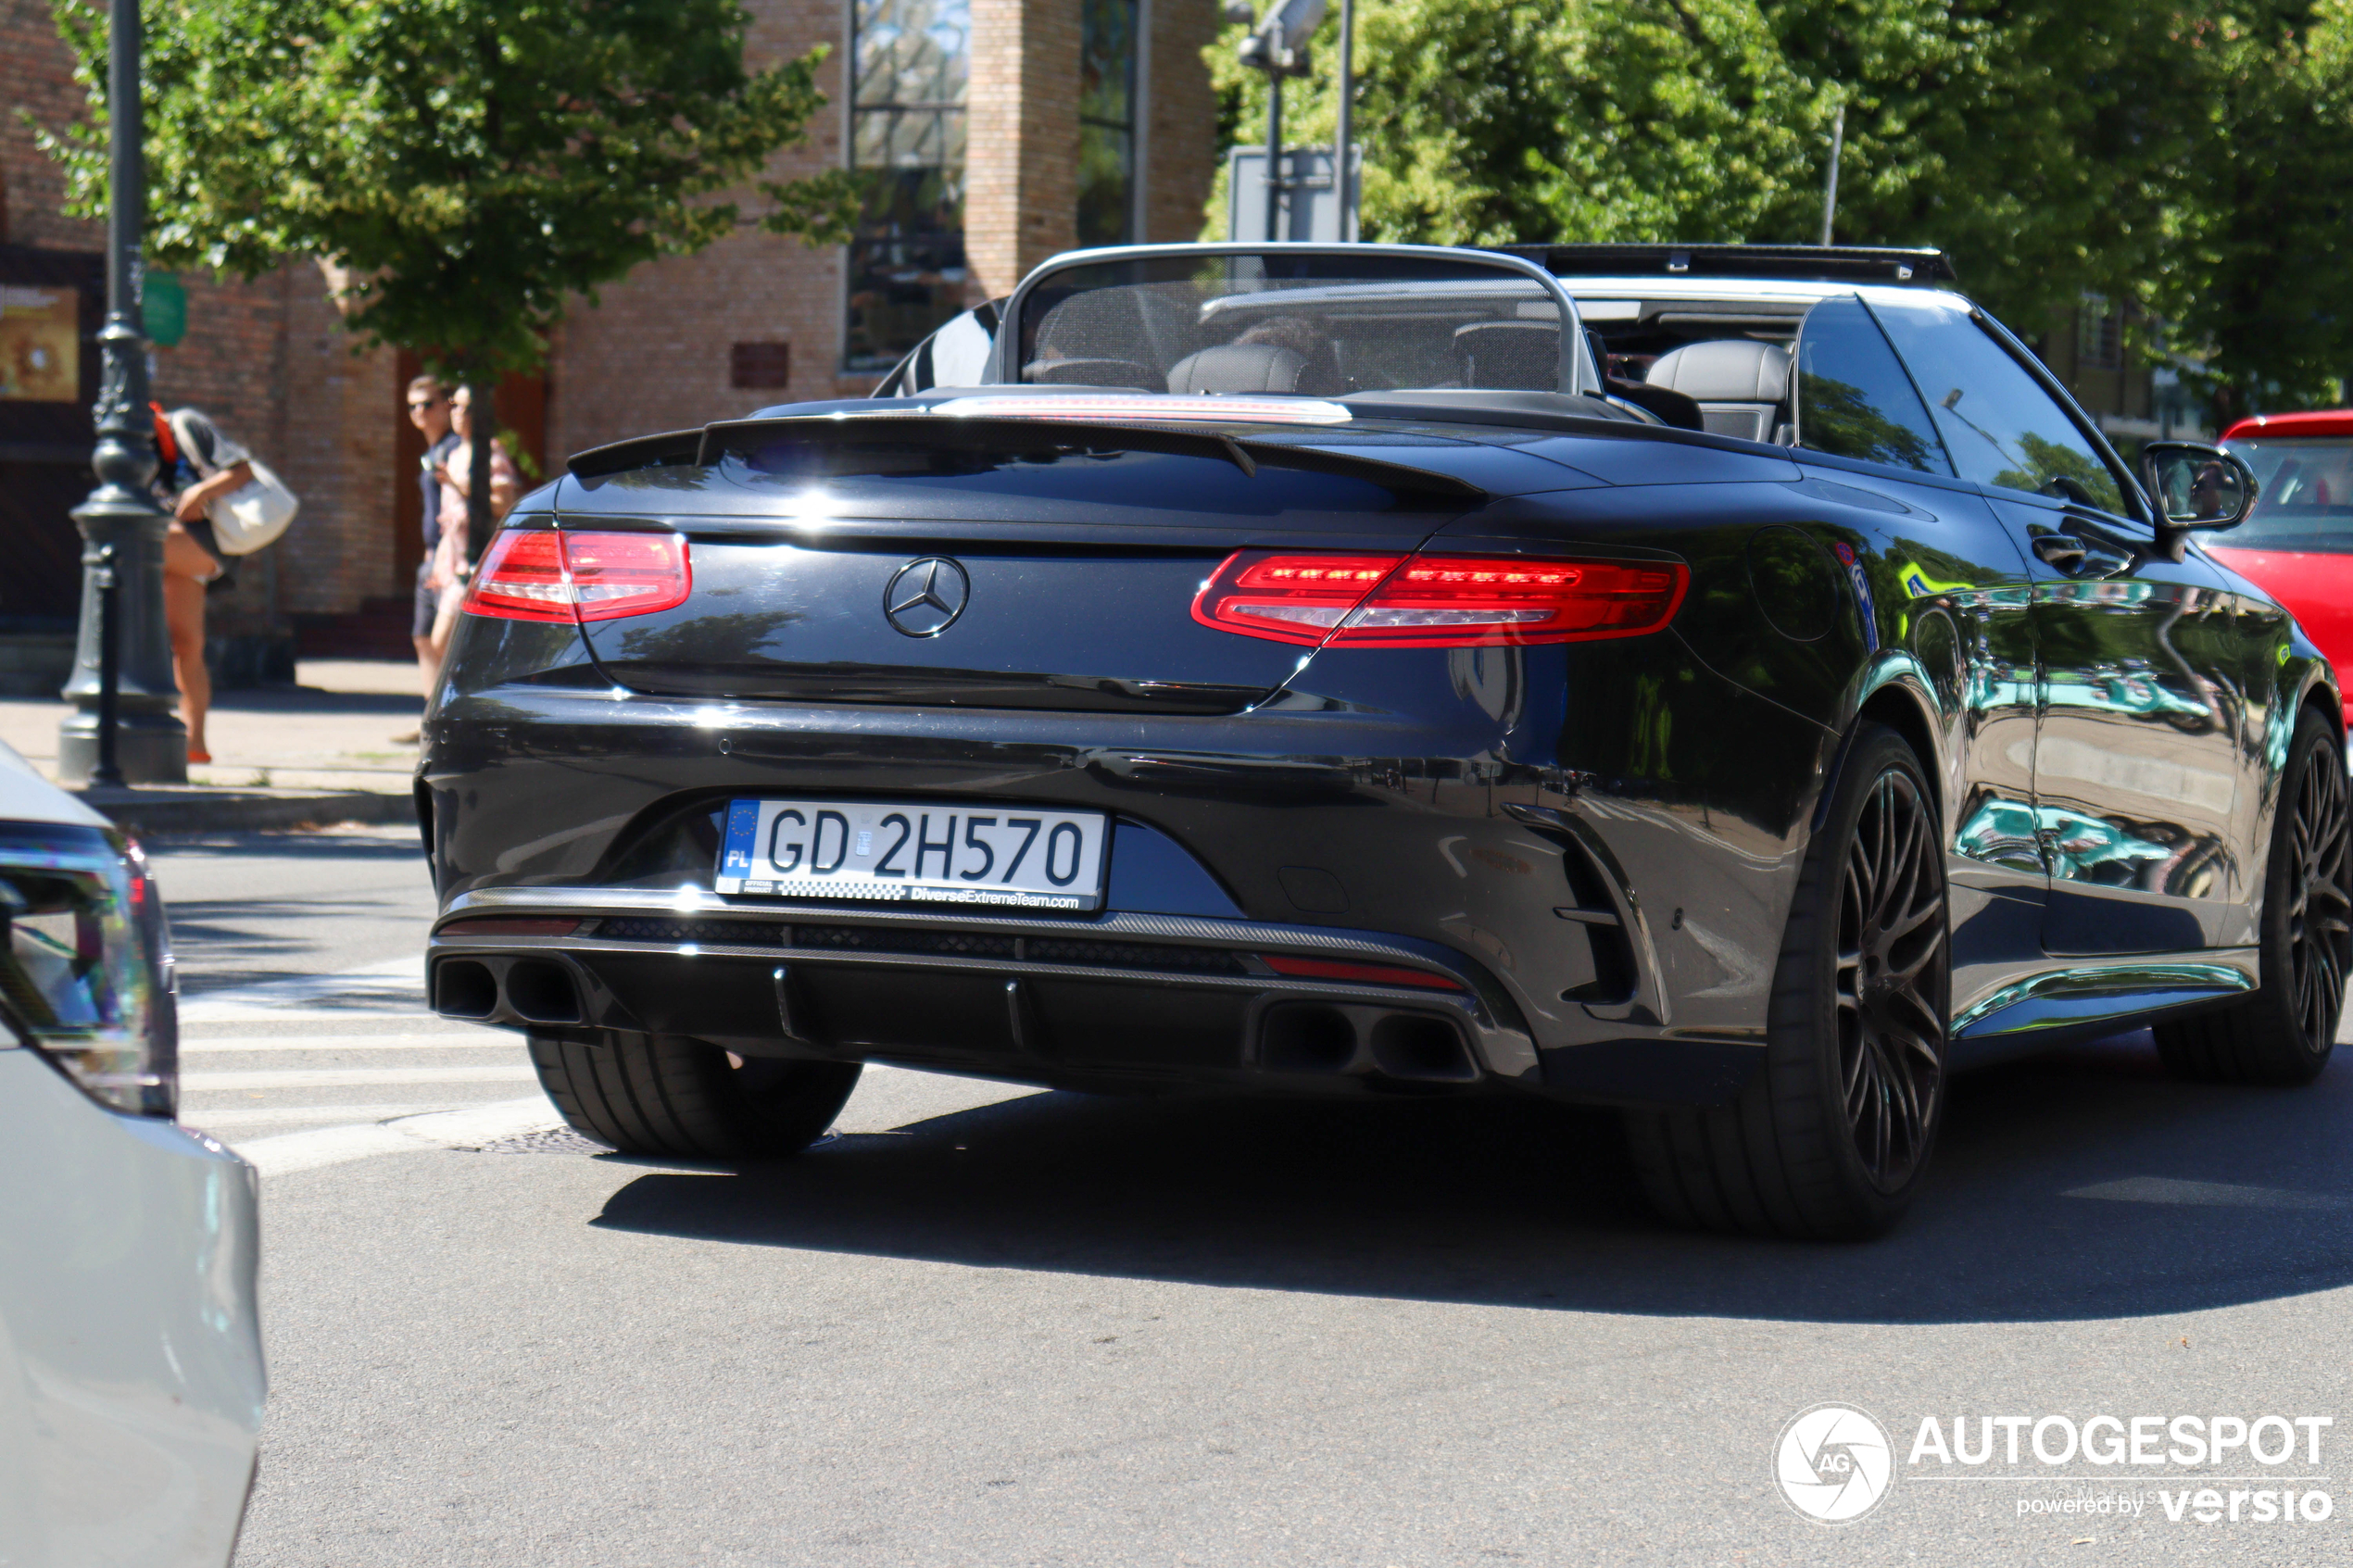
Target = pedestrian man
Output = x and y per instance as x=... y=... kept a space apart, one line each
x=429 y=411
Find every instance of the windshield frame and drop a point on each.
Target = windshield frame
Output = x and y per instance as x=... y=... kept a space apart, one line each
x=1578 y=374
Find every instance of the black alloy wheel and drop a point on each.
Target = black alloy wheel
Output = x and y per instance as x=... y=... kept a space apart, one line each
x=1890 y=988
x=2284 y=1033
x=1831 y=1137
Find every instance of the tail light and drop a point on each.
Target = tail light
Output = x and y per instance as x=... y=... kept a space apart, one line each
x=549 y=574
x=1393 y=601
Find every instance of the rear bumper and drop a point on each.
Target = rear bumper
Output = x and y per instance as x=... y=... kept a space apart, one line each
x=1127 y=1000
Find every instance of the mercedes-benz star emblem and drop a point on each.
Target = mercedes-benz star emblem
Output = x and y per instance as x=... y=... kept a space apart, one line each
x=925 y=597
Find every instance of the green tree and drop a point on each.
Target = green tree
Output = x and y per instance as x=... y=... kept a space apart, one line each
x=2252 y=283
x=2192 y=153
x=466 y=167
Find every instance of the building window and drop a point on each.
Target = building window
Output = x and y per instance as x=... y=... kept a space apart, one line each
x=910 y=62
x=2099 y=335
x=1107 y=36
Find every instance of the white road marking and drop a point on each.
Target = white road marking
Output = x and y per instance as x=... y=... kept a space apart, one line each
x=396 y=983
x=412 y=1011
x=342 y=1077
x=468 y=1128
x=473 y=1040
x=205 y=1119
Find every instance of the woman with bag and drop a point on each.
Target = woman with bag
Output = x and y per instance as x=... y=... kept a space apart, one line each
x=452 y=561
x=199 y=467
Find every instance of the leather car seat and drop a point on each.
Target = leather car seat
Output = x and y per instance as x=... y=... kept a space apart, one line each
x=1238 y=368
x=1739 y=384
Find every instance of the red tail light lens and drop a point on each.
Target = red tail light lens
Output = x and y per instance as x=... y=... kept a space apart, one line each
x=618 y=574
x=522 y=578
x=1289 y=598
x=544 y=574
x=1438 y=601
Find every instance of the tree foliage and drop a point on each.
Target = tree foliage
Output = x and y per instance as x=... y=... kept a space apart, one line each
x=2196 y=155
x=467 y=164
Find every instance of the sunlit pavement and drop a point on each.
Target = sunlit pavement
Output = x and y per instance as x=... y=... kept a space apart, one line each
x=986 y=1325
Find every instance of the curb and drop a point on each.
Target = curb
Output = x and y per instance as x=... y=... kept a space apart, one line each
x=168 y=809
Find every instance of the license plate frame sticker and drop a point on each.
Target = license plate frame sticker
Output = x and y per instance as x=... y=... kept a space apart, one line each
x=863 y=851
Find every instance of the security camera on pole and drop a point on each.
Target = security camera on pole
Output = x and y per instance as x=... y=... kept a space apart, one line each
x=121 y=687
x=1279 y=49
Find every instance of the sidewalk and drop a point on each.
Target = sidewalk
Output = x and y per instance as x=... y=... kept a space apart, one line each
x=274 y=749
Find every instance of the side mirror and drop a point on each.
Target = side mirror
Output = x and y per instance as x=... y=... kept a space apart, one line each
x=2197 y=486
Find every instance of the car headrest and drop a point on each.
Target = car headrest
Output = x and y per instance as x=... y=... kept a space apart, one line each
x=1089 y=373
x=1238 y=368
x=1724 y=371
x=1524 y=356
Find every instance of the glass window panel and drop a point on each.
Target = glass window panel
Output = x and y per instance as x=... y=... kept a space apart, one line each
x=2304 y=496
x=1105 y=206
x=1107 y=61
x=1999 y=425
x=906 y=264
x=1853 y=399
x=1106 y=121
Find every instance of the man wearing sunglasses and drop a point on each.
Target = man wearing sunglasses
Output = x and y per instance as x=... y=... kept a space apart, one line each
x=429 y=411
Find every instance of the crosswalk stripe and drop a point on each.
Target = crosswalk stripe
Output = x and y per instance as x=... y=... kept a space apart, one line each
x=339 y=1077
x=470 y=1127
x=473 y=1039
x=208 y=1119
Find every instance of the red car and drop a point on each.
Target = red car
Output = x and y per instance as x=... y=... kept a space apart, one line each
x=2297 y=544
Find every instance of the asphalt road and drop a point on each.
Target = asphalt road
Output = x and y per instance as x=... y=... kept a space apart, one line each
x=985 y=1325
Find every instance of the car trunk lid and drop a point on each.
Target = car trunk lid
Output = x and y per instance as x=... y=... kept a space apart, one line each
x=990 y=563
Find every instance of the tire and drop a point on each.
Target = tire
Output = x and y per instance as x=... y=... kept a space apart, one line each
x=1830 y=1138
x=2284 y=1032
x=670 y=1096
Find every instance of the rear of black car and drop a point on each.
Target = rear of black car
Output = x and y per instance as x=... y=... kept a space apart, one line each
x=1309 y=760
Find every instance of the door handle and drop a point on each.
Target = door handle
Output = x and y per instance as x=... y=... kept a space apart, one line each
x=2061 y=550
x=2076 y=559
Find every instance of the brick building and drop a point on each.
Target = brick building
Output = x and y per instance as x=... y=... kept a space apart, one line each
x=1000 y=131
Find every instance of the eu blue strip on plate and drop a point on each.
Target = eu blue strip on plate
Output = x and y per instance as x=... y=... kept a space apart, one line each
x=743 y=825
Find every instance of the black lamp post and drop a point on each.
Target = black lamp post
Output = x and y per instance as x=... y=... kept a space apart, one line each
x=122 y=529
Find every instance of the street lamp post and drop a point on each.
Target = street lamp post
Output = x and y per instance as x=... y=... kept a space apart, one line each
x=122 y=529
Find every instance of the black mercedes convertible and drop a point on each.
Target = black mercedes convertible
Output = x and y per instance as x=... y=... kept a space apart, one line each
x=1735 y=685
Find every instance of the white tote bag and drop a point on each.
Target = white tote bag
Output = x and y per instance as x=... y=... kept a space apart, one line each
x=254 y=514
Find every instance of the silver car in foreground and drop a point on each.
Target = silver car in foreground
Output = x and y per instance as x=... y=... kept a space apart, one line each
x=131 y=1372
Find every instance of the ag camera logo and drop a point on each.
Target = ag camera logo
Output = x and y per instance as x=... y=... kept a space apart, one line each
x=1833 y=1463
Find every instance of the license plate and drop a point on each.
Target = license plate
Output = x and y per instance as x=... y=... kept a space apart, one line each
x=1009 y=854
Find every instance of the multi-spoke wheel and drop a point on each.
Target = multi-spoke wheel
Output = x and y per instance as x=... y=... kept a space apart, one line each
x=2284 y=1032
x=1831 y=1137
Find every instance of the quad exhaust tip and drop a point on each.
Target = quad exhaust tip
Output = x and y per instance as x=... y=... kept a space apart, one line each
x=1329 y=1039
x=496 y=990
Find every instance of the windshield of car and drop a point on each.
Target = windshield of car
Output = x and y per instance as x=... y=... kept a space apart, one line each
x=1311 y=326
x=2304 y=499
